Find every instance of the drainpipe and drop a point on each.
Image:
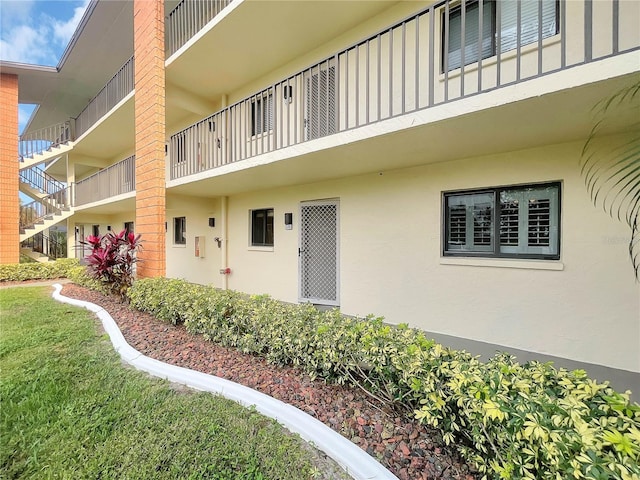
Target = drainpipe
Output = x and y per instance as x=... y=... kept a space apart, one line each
x=71 y=224
x=224 y=261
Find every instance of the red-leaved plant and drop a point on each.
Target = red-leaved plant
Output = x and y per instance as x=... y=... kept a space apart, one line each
x=112 y=260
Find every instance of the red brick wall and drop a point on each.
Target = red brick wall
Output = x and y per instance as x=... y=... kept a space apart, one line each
x=148 y=25
x=9 y=199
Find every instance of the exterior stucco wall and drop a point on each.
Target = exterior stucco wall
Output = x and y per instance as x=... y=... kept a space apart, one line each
x=182 y=261
x=585 y=307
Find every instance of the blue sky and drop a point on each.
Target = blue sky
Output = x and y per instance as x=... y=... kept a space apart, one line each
x=37 y=31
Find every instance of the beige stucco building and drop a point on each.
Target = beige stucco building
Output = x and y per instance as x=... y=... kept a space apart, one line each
x=415 y=160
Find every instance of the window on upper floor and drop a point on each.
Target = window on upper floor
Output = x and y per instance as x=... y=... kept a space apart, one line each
x=516 y=222
x=181 y=148
x=180 y=231
x=262 y=114
x=262 y=227
x=477 y=29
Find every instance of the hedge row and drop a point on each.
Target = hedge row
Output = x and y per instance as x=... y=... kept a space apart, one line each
x=17 y=272
x=510 y=420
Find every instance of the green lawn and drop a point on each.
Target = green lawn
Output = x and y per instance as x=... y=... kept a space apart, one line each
x=70 y=409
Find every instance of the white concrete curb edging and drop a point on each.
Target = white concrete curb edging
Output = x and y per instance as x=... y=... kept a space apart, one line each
x=355 y=461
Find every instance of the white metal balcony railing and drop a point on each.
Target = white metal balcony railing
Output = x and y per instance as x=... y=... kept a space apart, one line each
x=115 y=180
x=441 y=54
x=120 y=85
x=43 y=139
x=187 y=19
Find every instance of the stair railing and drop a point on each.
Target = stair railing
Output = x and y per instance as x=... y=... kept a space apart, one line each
x=37 y=211
x=54 y=249
x=44 y=139
x=40 y=180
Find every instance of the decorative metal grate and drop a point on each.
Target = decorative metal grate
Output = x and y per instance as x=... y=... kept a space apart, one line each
x=319 y=253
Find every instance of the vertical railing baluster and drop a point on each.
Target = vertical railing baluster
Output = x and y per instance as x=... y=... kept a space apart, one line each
x=588 y=31
x=498 y=44
x=357 y=92
x=416 y=102
x=463 y=20
x=480 y=27
x=539 y=38
x=615 y=41
x=518 y=40
x=445 y=52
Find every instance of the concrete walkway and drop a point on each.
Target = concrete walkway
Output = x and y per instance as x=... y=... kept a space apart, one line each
x=356 y=462
x=39 y=283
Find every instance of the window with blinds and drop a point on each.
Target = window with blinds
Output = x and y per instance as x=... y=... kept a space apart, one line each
x=471 y=31
x=262 y=114
x=525 y=220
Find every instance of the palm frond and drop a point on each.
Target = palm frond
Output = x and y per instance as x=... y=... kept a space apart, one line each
x=611 y=167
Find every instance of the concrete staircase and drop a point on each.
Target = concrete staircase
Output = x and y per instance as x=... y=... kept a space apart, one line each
x=45 y=156
x=43 y=223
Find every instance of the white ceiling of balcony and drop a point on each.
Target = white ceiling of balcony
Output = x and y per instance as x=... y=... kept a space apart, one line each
x=257 y=37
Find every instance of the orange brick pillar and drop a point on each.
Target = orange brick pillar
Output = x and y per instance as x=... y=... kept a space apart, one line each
x=9 y=198
x=148 y=38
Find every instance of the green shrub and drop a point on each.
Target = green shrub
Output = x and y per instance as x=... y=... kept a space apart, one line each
x=509 y=420
x=17 y=272
x=80 y=275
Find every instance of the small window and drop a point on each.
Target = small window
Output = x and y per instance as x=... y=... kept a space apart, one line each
x=180 y=231
x=477 y=38
x=128 y=227
x=180 y=148
x=262 y=227
x=262 y=114
x=95 y=230
x=521 y=221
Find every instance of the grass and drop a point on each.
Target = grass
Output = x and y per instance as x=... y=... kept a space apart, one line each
x=70 y=409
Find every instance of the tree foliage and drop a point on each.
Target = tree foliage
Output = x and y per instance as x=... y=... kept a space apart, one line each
x=611 y=169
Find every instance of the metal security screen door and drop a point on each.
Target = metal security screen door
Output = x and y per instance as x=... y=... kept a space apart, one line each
x=318 y=252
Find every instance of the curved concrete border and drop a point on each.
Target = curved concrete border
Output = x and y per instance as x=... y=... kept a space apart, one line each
x=356 y=462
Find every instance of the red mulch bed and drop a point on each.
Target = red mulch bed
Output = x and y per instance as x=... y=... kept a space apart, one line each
x=410 y=450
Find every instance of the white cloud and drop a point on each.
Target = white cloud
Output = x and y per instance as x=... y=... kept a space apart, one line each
x=64 y=30
x=14 y=12
x=29 y=35
x=27 y=44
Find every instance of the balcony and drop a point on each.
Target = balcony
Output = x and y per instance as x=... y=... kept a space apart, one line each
x=187 y=19
x=447 y=52
x=118 y=179
x=116 y=89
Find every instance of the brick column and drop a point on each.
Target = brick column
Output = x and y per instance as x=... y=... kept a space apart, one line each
x=148 y=27
x=9 y=188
